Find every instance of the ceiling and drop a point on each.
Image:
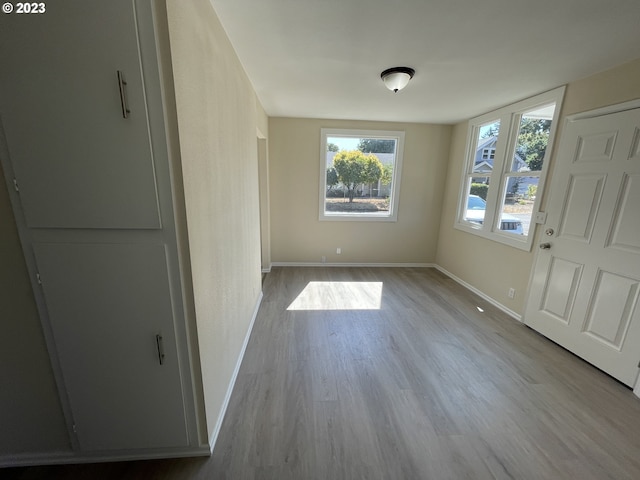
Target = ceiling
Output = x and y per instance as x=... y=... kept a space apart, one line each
x=323 y=58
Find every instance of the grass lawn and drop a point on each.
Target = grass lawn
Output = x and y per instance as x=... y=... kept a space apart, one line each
x=359 y=204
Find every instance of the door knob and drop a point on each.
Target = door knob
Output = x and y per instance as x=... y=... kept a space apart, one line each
x=545 y=246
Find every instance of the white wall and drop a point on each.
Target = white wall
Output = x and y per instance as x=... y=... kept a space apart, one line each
x=217 y=118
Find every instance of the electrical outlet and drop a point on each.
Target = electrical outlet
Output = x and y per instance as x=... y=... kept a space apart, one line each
x=338 y=250
x=512 y=292
x=324 y=259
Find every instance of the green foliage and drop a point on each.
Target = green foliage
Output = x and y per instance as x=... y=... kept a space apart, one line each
x=479 y=189
x=374 y=145
x=332 y=147
x=532 y=141
x=355 y=168
x=332 y=178
x=387 y=174
x=372 y=169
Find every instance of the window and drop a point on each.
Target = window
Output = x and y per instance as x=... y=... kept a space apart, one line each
x=488 y=153
x=360 y=174
x=507 y=153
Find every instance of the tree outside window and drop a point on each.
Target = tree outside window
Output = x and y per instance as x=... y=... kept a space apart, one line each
x=361 y=172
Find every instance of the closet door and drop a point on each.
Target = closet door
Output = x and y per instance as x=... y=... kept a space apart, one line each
x=66 y=76
x=111 y=315
x=82 y=133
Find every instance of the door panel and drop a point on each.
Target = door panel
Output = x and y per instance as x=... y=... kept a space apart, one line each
x=595 y=147
x=106 y=304
x=78 y=162
x=584 y=289
x=626 y=220
x=634 y=155
x=613 y=302
x=560 y=288
x=582 y=203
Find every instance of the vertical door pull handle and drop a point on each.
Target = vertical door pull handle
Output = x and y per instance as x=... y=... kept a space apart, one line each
x=160 y=346
x=123 y=95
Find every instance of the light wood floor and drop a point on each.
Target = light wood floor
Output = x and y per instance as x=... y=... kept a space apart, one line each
x=424 y=381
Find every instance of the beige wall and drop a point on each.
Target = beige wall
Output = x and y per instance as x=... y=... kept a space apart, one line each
x=217 y=123
x=31 y=418
x=298 y=236
x=491 y=267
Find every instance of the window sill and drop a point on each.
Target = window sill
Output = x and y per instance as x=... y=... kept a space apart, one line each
x=520 y=242
x=356 y=217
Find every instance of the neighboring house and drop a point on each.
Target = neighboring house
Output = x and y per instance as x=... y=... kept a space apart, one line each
x=486 y=153
x=483 y=163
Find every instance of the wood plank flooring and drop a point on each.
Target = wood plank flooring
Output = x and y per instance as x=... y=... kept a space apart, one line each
x=423 y=381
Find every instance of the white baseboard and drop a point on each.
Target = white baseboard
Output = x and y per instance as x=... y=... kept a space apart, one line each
x=347 y=264
x=481 y=294
x=216 y=431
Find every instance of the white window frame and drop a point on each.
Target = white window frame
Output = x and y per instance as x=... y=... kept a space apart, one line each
x=509 y=118
x=392 y=215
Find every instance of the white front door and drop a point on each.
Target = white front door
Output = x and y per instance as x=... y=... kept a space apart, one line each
x=586 y=279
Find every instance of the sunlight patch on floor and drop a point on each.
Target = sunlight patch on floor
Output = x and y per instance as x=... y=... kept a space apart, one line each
x=339 y=296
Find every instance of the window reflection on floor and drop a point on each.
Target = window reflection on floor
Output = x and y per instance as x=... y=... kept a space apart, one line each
x=339 y=296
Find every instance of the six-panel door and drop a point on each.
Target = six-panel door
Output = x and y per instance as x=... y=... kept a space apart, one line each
x=586 y=286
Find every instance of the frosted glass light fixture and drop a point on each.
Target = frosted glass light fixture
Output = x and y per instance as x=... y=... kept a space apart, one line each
x=396 y=78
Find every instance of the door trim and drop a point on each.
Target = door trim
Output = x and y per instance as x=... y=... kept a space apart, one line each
x=599 y=112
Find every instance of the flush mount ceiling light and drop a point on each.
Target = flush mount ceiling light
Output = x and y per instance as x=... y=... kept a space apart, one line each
x=396 y=78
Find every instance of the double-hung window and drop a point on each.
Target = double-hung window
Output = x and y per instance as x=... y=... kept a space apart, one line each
x=360 y=174
x=507 y=154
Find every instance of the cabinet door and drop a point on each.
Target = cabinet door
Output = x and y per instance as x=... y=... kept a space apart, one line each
x=106 y=304
x=78 y=162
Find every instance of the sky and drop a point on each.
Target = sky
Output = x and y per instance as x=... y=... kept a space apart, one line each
x=344 y=143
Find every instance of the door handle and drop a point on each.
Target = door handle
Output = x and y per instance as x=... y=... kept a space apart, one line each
x=545 y=246
x=160 y=346
x=123 y=95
